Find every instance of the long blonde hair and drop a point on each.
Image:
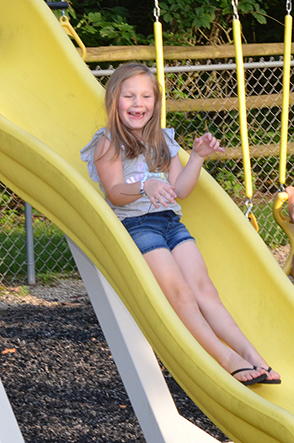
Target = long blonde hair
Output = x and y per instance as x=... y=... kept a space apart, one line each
x=154 y=147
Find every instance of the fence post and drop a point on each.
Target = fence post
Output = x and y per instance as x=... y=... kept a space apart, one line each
x=30 y=245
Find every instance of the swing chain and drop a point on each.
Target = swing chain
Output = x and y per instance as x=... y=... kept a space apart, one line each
x=288 y=6
x=63 y=13
x=156 y=10
x=249 y=206
x=235 y=9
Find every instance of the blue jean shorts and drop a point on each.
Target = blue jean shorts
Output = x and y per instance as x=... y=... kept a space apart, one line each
x=157 y=230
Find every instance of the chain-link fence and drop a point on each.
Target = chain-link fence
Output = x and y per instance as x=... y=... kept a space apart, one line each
x=200 y=97
x=51 y=253
x=213 y=102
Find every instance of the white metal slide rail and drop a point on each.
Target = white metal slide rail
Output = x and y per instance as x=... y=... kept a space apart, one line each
x=136 y=362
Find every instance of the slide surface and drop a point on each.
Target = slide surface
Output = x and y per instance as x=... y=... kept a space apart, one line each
x=50 y=106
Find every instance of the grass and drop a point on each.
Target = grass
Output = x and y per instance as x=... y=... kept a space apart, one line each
x=269 y=231
x=52 y=255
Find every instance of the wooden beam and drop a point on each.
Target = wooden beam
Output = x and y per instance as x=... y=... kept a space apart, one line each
x=255 y=152
x=129 y=53
x=225 y=104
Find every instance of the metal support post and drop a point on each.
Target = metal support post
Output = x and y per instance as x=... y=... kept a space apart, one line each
x=30 y=245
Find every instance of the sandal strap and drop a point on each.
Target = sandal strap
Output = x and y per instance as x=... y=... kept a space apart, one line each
x=269 y=369
x=244 y=369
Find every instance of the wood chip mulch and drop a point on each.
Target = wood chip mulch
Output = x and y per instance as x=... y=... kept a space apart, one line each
x=59 y=373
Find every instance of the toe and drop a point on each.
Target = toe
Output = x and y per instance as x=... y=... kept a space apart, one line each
x=248 y=374
x=272 y=375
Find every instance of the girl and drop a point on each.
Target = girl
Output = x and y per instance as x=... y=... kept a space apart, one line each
x=138 y=166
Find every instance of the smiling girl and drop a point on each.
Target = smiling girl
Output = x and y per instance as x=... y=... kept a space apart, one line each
x=138 y=167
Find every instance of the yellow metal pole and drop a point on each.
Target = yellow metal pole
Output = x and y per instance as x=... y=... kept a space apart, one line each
x=160 y=68
x=65 y=23
x=242 y=106
x=286 y=92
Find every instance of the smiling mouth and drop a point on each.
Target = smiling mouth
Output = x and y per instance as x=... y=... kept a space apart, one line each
x=136 y=114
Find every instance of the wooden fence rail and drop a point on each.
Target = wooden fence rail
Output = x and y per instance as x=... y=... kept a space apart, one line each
x=129 y=53
x=126 y=53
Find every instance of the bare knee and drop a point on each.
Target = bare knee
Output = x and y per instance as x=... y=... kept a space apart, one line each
x=182 y=296
x=206 y=293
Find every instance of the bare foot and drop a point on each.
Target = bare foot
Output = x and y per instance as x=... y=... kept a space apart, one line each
x=249 y=376
x=253 y=356
x=290 y=192
x=235 y=365
x=271 y=374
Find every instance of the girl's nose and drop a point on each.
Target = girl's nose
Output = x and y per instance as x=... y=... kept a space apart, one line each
x=137 y=100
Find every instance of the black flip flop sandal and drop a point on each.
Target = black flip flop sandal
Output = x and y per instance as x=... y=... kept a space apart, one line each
x=259 y=379
x=270 y=382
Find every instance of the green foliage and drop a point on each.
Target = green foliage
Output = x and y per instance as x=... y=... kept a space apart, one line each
x=252 y=7
x=185 y=22
x=49 y=278
x=9 y=218
x=269 y=231
x=230 y=183
x=51 y=249
x=179 y=13
x=100 y=25
x=100 y=28
x=206 y=20
x=11 y=209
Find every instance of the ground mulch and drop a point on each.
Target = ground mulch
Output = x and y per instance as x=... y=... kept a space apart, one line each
x=59 y=373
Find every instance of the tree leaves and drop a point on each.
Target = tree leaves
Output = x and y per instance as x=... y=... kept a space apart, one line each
x=185 y=22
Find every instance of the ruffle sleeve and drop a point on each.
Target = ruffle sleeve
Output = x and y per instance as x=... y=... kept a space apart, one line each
x=88 y=152
x=169 y=135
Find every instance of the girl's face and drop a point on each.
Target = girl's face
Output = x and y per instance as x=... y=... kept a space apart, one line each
x=136 y=103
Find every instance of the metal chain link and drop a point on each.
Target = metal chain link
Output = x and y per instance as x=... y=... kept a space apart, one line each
x=156 y=10
x=235 y=9
x=249 y=206
x=288 y=6
x=63 y=12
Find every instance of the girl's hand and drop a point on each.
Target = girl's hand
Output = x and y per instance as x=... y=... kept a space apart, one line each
x=205 y=145
x=159 y=192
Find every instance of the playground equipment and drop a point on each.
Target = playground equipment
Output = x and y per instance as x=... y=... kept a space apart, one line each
x=160 y=60
x=283 y=220
x=65 y=23
x=282 y=197
x=50 y=106
x=243 y=115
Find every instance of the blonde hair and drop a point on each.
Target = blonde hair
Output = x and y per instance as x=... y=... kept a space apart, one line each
x=154 y=147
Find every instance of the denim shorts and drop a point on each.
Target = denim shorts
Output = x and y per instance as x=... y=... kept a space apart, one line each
x=157 y=230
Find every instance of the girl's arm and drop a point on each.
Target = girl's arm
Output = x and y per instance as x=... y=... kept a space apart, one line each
x=110 y=171
x=185 y=179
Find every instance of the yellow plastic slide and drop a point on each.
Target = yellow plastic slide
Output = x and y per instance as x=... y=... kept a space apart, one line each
x=50 y=106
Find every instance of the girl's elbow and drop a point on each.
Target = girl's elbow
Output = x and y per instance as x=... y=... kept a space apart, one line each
x=183 y=193
x=120 y=199
x=116 y=201
x=113 y=198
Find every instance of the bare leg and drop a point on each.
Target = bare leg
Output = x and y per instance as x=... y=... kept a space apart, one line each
x=290 y=192
x=210 y=305
x=183 y=301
